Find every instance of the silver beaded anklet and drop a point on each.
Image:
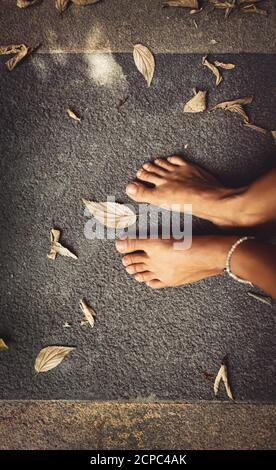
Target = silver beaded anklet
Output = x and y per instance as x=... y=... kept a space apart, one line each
x=228 y=261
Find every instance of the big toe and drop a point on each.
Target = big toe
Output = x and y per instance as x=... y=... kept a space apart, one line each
x=138 y=192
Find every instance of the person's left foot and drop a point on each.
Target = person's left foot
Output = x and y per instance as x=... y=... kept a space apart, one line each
x=164 y=263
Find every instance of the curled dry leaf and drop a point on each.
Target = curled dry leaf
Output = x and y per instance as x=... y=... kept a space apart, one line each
x=111 y=214
x=223 y=5
x=73 y=115
x=222 y=375
x=222 y=65
x=57 y=248
x=10 y=49
x=3 y=344
x=89 y=313
x=20 y=51
x=255 y=128
x=144 y=62
x=50 y=357
x=235 y=106
x=214 y=69
x=197 y=104
x=61 y=5
x=26 y=3
x=182 y=4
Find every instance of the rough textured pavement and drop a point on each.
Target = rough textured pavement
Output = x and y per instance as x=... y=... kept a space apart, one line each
x=146 y=344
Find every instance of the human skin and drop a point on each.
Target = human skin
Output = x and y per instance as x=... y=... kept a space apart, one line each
x=175 y=182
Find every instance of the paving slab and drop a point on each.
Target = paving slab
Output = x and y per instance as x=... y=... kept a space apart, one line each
x=85 y=425
x=115 y=25
x=157 y=344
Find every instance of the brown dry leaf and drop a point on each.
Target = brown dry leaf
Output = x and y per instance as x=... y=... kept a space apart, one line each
x=222 y=65
x=214 y=69
x=222 y=375
x=10 y=49
x=84 y=2
x=111 y=214
x=253 y=9
x=197 y=104
x=57 y=248
x=51 y=357
x=235 y=106
x=3 y=344
x=89 y=313
x=223 y=5
x=255 y=128
x=73 y=115
x=26 y=3
x=61 y=5
x=20 y=51
x=144 y=62
x=182 y=4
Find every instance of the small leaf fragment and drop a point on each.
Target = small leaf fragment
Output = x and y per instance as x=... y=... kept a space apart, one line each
x=89 y=313
x=197 y=104
x=194 y=12
x=222 y=65
x=26 y=3
x=50 y=357
x=223 y=5
x=264 y=299
x=67 y=325
x=61 y=5
x=182 y=4
x=222 y=375
x=20 y=51
x=3 y=345
x=57 y=248
x=235 y=106
x=111 y=214
x=255 y=128
x=73 y=115
x=253 y=9
x=144 y=62
x=214 y=69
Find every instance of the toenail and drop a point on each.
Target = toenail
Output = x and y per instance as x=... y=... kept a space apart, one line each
x=124 y=261
x=131 y=188
x=129 y=270
x=120 y=245
x=146 y=166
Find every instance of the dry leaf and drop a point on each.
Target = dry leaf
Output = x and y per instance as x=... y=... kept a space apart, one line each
x=26 y=3
x=50 y=357
x=73 y=115
x=197 y=104
x=255 y=128
x=235 y=106
x=10 y=49
x=20 y=51
x=61 y=5
x=144 y=62
x=182 y=4
x=214 y=69
x=222 y=65
x=222 y=375
x=57 y=248
x=253 y=9
x=3 y=344
x=88 y=312
x=111 y=214
x=223 y=5
x=67 y=325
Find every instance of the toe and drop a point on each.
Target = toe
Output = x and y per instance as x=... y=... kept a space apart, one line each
x=145 y=276
x=156 y=284
x=136 y=268
x=164 y=164
x=131 y=244
x=149 y=177
x=152 y=168
x=134 y=258
x=177 y=161
x=138 y=192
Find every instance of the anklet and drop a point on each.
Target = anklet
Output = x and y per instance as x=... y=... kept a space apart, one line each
x=228 y=261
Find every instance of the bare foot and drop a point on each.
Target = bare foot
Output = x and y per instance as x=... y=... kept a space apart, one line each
x=159 y=263
x=176 y=183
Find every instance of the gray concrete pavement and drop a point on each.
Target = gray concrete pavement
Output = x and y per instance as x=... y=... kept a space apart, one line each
x=146 y=344
x=115 y=25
